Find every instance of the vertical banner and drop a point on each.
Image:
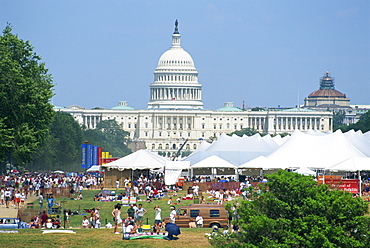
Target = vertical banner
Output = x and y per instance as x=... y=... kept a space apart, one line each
x=100 y=155
x=95 y=155
x=83 y=158
x=89 y=155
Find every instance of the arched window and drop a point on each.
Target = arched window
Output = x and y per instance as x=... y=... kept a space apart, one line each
x=194 y=146
x=174 y=146
x=167 y=146
x=160 y=147
x=153 y=146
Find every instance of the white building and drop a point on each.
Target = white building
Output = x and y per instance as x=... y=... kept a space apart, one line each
x=175 y=110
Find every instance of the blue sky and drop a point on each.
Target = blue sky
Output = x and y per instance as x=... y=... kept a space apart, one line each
x=266 y=53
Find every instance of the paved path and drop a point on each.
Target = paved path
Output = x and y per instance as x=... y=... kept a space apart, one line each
x=12 y=212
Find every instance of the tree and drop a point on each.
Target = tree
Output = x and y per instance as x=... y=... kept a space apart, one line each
x=294 y=211
x=25 y=92
x=338 y=118
x=110 y=137
x=62 y=148
x=245 y=131
x=363 y=124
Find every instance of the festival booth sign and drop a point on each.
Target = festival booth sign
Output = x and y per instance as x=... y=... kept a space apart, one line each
x=357 y=164
x=350 y=185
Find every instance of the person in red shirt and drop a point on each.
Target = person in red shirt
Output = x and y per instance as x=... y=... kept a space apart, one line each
x=44 y=218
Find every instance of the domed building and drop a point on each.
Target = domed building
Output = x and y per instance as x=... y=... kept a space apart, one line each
x=176 y=113
x=175 y=80
x=326 y=96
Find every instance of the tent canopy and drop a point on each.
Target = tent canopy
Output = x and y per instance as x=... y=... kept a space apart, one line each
x=305 y=171
x=352 y=164
x=213 y=162
x=257 y=163
x=315 y=152
x=94 y=168
x=139 y=160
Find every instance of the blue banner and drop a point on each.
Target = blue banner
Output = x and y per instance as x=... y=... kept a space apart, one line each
x=83 y=159
x=95 y=160
x=89 y=156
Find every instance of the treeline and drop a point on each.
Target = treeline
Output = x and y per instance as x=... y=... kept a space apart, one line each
x=363 y=124
x=61 y=149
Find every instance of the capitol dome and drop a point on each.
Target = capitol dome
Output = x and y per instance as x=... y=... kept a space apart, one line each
x=176 y=57
x=175 y=83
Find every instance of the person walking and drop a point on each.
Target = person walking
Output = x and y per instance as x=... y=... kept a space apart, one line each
x=50 y=204
x=41 y=200
x=157 y=219
x=17 y=199
x=116 y=213
x=173 y=215
x=66 y=218
x=7 y=194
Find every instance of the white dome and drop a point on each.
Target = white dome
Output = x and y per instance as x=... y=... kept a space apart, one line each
x=176 y=57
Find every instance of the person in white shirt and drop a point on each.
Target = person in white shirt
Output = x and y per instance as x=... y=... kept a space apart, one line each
x=173 y=215
x=199 y=220
x=195 y=190
x=85 y=222
x=157 y=219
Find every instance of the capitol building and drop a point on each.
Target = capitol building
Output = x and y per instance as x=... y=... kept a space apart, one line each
x=176 y=111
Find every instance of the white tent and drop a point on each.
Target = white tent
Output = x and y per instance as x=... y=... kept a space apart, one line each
x=257 y=163
x=359 y=141
x=235 y=149
x=352 y=164
x=94 y=168
x=213 y=162
x=196 y=156
x=305 y=171
x=315 y=152
x=139 y=160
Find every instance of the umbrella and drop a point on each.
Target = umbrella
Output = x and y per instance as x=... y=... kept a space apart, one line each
x=59 y=172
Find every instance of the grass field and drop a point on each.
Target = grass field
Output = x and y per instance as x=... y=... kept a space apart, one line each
x=104 y=237
x=107 y=207
x=100 y=238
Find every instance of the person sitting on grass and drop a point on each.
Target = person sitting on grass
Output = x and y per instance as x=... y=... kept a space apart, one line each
x=85 y=222
x=130 y=227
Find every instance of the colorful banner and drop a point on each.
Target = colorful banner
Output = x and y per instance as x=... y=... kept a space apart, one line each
x=83 y=158
x=100 y=155
x=350 y=185
x=95 y=156
x=108 y=160
x=89 y=155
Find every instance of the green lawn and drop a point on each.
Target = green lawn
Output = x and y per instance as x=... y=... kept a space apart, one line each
x=104 y=237
x=107 y=207
x=100 y=238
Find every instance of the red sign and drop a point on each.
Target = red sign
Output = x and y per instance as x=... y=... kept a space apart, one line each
x=350 y=185
x=108 y=160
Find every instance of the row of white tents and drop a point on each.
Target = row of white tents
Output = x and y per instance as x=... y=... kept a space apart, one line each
x=304 y=152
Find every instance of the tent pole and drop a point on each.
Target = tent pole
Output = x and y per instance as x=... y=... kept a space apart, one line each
x=359 y=181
